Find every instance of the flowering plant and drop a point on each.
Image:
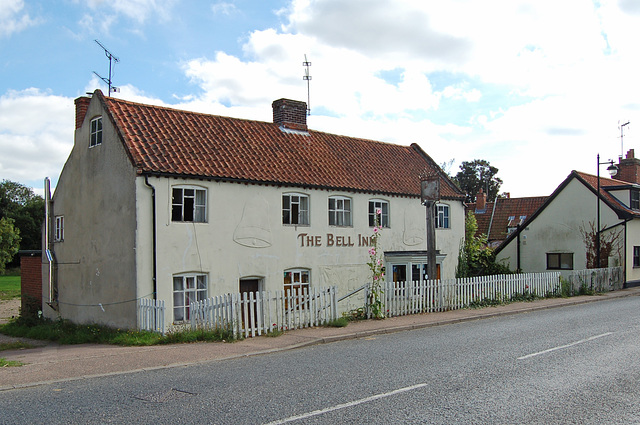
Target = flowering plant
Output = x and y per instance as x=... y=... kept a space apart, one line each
x=376 y=265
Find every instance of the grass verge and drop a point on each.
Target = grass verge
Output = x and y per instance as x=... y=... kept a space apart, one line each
x=65 y=332
x=16 y=345
x=9 y=287
x=9 y=363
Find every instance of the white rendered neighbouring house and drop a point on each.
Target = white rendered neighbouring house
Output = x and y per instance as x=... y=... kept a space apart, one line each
x=161 y=203
x=553 y=238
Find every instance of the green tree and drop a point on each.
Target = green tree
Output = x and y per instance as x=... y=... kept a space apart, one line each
x=9 y=242
x=475 y=175
x=26 y=209
x=475 y=258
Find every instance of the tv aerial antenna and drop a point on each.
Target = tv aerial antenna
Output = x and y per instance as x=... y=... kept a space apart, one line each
x=112 y=59
x=306 y=77
x=621 y=128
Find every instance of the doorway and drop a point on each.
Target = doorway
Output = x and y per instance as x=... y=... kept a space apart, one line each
x=247 y=286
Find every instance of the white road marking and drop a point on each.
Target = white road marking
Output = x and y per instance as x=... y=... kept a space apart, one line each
x=345 y=405
x=565 y=346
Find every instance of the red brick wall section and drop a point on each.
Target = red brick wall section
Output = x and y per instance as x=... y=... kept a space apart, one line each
x=31 y=279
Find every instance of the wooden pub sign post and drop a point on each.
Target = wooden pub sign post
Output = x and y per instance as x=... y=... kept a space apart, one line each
x=429 y=195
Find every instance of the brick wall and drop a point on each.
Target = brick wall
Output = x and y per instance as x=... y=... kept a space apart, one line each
x=31 y=278
x=290 y=114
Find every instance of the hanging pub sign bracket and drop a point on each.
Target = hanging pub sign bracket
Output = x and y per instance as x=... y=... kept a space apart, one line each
x=429 y=189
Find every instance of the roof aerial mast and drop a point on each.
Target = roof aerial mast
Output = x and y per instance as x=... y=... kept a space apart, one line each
x=621 y=127
x=114 y=59
x=307 y=78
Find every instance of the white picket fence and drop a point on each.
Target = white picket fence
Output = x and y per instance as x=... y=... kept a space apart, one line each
x=151 y=315
x=256 y=313
x=403 y=298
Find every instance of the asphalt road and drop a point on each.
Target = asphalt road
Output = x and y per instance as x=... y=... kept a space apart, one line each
x=573 y=365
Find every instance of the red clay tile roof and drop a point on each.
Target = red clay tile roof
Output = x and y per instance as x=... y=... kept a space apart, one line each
x=483 y=219
x=605 y=183
x=174 y=142
x=496 y=219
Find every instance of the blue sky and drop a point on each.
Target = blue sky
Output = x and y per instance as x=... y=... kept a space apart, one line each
x=537 y=88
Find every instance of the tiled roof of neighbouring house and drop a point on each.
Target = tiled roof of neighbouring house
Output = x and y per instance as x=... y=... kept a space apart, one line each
x=591 y=182
x=608 y=183
x=505 y=213
x=175 y=142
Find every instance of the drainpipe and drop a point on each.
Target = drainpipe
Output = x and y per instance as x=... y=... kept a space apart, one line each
x=518 y=249
x=47 y=230
x=624 y=261
x=153 y=208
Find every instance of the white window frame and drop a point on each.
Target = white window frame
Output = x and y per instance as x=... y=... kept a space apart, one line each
x=297 y=212
x=299 y=280
x=374 y=204
x=58 y=235
x=443 y=216
x=340 y=212
x=95 y=132
x=181 y=211
x=187 y=288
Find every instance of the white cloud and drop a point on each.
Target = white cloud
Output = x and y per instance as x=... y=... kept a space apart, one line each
x=137 y=10
x=36 y=134
x=224 y=8
x=505 y=81
x=13 y=19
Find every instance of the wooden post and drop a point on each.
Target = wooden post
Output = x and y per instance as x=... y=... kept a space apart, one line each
x=431 y=240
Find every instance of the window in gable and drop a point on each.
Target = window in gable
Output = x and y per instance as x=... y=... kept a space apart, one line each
x=295 y=209
x=339 y=211
x=383 y=206
x=59 y=229
x=189 y=204
x=442 y=219
x=635 y=200
x=95 y=135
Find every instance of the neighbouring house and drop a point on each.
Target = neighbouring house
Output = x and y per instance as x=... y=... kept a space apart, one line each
x=155 y=202
x=557 y=235
x=498 y=219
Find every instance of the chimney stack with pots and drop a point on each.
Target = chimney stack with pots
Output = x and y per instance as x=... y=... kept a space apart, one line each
x=481 y=201
x=629 y=168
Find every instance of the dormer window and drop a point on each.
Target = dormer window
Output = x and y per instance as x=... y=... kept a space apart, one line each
x=95 y=136
x=635 y=200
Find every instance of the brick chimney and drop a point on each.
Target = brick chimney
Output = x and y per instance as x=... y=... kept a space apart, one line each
x=629 y=168
x=481 y=201
x=82 y=105
x=290 y=114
